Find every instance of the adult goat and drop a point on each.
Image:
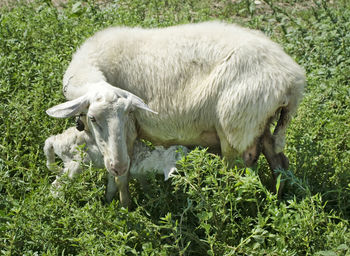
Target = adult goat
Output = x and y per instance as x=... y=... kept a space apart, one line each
x=212 y=84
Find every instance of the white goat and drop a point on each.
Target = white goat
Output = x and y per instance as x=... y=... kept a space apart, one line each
x=75 y=147
x=213 y=84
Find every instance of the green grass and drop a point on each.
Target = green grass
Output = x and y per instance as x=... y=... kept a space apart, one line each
x=206 y=209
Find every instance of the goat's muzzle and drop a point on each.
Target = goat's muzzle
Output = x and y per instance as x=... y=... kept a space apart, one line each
x=116 y=168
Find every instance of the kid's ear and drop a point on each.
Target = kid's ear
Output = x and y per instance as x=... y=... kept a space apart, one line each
x=69 y=108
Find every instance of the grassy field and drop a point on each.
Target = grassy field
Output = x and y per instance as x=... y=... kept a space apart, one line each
x=206 y=209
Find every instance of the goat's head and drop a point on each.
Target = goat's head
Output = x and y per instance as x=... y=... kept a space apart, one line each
x=107 y=111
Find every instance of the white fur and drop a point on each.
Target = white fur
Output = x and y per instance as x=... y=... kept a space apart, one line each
x=159 y=159
x=203 y=79
x=66 y=147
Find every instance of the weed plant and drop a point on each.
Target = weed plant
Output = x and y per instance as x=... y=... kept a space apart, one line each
x=206 y=208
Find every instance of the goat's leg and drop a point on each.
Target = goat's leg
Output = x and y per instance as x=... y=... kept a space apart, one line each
x=111 y=189
x=72 y=169
x=276 y=160
x=227 y=151
x=121 y=184
x=123 y=188
x=279 y=133
x=51 y=157
x=251 y=154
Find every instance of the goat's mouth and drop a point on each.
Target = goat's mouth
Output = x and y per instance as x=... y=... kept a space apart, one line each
x=118 y=172
x=114 y=173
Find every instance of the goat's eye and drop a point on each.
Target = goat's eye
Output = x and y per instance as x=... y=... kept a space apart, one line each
x=92 y=119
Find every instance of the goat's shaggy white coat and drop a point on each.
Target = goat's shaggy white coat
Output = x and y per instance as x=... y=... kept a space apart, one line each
x=203 y=79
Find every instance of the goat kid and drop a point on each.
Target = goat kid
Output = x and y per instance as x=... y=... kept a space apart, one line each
x=68 y=146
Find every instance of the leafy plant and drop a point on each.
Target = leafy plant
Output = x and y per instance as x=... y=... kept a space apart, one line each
x=206 y=208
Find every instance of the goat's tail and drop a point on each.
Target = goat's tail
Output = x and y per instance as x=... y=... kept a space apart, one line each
x=50 y=155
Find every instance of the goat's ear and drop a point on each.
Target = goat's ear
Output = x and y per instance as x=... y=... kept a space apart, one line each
x=69 y=108
x=136 y=102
